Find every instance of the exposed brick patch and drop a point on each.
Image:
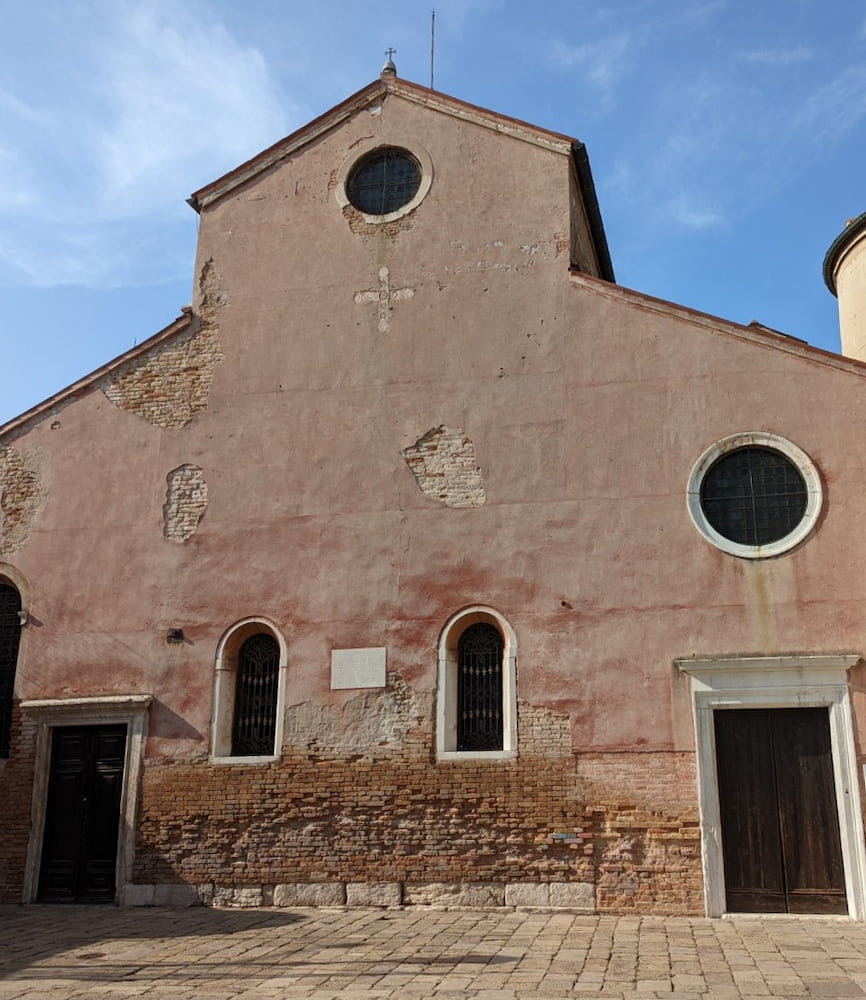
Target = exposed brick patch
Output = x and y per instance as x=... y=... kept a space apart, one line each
x=169 y=385
x=444 y=466
x=372 y=722
x=360 y=227
x=21 y=497
x=648 y=858
x=185 y=502
x=16 y=774
x=542 y=732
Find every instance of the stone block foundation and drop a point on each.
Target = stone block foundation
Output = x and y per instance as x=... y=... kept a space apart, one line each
x=574 y=896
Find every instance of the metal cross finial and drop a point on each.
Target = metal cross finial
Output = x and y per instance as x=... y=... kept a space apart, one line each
x=389 y=53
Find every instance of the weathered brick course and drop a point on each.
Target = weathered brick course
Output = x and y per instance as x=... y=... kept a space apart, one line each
x=17 y=776
x=395 y=815
x=185 y=502
x=444 y=466
x=169 y=385
x=21 y=496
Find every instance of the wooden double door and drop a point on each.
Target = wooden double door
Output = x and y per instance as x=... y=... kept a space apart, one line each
x=780 y=826
x=82 y=816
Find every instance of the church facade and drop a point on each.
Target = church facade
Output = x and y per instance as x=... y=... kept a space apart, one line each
x=418 y=562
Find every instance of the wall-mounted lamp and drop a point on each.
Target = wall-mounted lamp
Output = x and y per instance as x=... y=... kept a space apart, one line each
x=23 y=617
x=174 y=636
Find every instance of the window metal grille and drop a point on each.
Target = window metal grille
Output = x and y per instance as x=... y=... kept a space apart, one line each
x=255 y=717
x=10 y=638
x=479 y=688
x=754 y=496
x=384 y=181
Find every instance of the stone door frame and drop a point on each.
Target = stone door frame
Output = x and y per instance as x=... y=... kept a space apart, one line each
x=50 y=713
x=808 y=681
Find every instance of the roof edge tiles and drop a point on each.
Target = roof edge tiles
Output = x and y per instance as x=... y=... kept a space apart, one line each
x=852 y=231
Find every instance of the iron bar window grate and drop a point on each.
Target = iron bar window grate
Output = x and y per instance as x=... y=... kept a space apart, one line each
x=255 y=715
x=479 y=688
x=754 y=496
x=384 y=181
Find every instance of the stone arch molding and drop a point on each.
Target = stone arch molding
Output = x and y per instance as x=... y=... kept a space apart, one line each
x=446 y=689
x=225 y=677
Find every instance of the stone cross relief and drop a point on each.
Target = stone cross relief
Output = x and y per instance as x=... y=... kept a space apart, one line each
x=383 y=296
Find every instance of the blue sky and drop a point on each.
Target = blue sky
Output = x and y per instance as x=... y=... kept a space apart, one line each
x=726 y=138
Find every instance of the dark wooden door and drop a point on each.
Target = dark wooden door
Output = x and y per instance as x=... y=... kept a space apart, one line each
x=780 y=827
x=82 y=816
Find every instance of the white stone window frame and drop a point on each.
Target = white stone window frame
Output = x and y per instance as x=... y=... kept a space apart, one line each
x=360 y=152
x=807 y=681
x=225 y=685
x=446 y=694
x=96 y=710
x=756 y=439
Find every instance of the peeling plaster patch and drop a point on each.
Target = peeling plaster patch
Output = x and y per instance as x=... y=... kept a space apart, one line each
x=212 y=295
x=377 y=721
x=185 y=502
x=444 y=466
x=170 y=385
x=486 y=259
x=21 y=498
x=360 y=227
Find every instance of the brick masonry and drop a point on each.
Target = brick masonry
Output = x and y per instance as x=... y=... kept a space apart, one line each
x=185 y=502
x=17 y=777
x=445 y=468
x=169 y=385
x=21 y=497
x=393 y=816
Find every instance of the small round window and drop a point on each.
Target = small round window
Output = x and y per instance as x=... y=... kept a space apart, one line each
x=384 y=181
x=754 y=495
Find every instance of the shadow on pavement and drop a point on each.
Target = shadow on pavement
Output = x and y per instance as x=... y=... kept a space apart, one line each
x=108 y=944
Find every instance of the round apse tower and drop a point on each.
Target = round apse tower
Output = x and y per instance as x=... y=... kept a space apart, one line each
x=845 y=275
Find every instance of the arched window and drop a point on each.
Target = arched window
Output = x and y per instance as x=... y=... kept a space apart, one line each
x=476 y=711
x=249 y=693
x=10 y=638
x=255 y=716
x=479 y=688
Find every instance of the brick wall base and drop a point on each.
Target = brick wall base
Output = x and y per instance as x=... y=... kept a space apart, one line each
x=624 y=825
x=598 y=832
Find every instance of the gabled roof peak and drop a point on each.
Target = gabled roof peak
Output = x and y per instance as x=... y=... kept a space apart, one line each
x=388 y=83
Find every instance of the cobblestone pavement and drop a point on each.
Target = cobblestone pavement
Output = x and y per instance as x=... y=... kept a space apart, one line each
x=366 y=954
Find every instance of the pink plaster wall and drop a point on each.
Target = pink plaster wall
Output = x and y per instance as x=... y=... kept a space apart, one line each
x=587 y=407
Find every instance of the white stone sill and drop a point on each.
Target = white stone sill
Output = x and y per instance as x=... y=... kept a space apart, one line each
x=456 y=756
x=231 y=761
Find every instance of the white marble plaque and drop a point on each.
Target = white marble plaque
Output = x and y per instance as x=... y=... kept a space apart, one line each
x=357 y=668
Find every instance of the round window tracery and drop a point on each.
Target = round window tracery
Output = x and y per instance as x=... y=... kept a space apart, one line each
x=384 y=181
x=754 y=495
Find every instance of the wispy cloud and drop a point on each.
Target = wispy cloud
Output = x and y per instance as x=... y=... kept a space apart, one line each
x=834 y=108
x=685 y=211
x=162 y=99
x=183 y=93
x=601 y=63
x=779 y=57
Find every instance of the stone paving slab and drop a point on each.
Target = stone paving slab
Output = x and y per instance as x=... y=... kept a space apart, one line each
x=343 y=953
